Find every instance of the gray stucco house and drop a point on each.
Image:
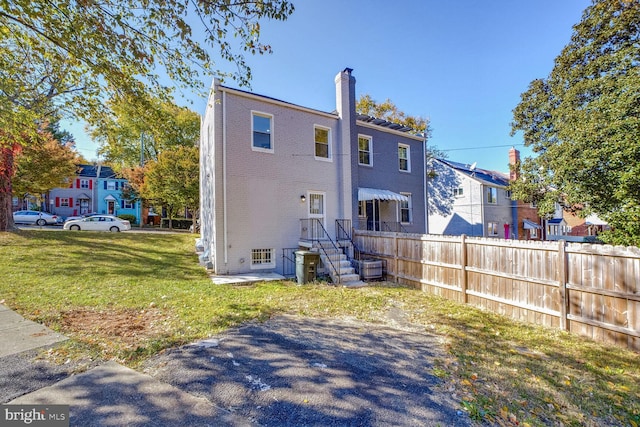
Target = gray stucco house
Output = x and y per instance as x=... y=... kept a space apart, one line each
x=277 y=176
x=464 y=199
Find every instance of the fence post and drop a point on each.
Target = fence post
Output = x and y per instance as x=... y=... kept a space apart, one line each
x=562 y=286
x=464 y=282
x=395 y=257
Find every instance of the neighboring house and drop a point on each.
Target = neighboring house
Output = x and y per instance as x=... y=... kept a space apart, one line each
x=110 y=199
x=95 y=188
x=562 y=226
x=276 y=176
x=79 y=198
x=572 y=228
x=464 y=199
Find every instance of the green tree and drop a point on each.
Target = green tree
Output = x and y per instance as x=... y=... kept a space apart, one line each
x=131 y=133
x=73 y=55
x=583 y=123
x=173 y=180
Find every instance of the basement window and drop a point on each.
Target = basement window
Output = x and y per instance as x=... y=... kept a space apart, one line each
x=262 y=258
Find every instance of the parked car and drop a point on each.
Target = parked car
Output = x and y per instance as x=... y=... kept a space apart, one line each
x=98 y=223
x=34 y=217
x=71 y=218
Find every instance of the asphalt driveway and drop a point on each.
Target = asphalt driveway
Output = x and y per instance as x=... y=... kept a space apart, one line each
x=293 y=371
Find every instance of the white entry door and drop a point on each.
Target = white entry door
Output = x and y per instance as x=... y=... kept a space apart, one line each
x=316 y=212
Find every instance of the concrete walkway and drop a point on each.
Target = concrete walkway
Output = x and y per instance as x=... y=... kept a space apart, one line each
x=18 y=334
x=107 y=395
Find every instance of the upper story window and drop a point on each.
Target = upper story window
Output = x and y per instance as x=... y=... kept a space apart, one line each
x=364 y=150
x=458 y=192
x=405 y=209
x=262 y=132
x=492 y=195
x=404 y=158
x=322 y=139
x=84 y=183
x=111 y=185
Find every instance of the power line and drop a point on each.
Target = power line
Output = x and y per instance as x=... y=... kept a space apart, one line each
x=482 y=148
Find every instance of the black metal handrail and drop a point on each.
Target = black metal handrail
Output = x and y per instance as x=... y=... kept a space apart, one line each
x=396 y=227
x=313 y=230
x=343 y=234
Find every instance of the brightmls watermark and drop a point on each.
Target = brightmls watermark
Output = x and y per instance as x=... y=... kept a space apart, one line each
x=35 y=415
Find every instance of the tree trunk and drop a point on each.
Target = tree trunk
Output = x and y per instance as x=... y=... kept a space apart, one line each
x=6 y=172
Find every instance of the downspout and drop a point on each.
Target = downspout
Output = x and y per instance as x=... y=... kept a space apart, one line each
x=426 y=188
x=482 y=207
x=224 y=176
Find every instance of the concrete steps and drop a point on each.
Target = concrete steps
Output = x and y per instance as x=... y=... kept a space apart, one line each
x=338 y=265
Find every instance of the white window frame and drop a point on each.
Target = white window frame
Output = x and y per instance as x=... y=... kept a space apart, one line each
x=492 y=195
x=458 y=192
x=64 y=202
x=329 y=157
x=362 y=209
x=533 y=233
x=84 y=183
x=111 y=185
x=259 y=260
x=271 y=133
x=369 y=151
x=408 y=158
x=408 y=208
x=128 y=204
x=492 y=229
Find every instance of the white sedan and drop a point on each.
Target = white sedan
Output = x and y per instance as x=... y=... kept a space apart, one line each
x=34 y=217
x=98 y=223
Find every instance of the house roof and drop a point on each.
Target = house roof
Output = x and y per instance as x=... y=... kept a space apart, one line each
x=360 y=117
x=556 y=221
x=91 y=171
x=482 y=175
x=530 y=225
x=383 y=123
x=594 y=220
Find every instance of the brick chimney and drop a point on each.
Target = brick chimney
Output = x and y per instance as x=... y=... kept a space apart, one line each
x=514 y=158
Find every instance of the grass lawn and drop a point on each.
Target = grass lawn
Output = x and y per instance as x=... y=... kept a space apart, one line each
x=126 y=296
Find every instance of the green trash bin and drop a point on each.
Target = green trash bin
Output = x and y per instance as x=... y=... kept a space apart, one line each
x=306 y=266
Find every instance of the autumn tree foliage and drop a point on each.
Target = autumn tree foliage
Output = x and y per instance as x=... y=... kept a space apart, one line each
x=71 y=56
x=387 y=110
x=43 y=165
x=583 y=123
x=173 y=180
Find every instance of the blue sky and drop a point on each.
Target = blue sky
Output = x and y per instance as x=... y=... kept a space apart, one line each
x=463 y=64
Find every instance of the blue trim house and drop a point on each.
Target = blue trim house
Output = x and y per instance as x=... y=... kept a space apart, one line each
x=95 y=188
x=109 y=198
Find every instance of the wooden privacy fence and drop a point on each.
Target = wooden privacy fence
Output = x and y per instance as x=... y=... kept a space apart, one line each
x=591 y=290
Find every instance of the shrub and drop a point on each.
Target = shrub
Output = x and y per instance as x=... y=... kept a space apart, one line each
x=177 y=223
x=131 y=218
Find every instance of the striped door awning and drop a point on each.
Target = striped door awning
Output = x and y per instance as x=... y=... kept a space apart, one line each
x=377 y=194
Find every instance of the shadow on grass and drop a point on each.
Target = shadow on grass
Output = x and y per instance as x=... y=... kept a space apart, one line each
x=540 y=376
